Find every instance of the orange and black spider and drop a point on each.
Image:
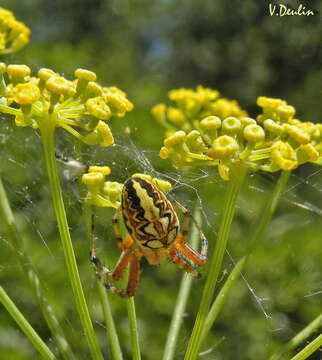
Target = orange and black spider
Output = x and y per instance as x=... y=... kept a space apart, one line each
x=153 y=232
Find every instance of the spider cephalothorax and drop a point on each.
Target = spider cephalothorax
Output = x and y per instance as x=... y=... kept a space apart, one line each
x=153 y=228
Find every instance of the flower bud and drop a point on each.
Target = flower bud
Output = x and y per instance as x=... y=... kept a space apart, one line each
x=164 y=153
x=105 y=133
x=195 y=142
x=247 y=121
x=273 y=127
x=224 y=146
x=113 y=190
x=254 y=133
x=142 y=176
x=93 y=181
x=297 y=134
x=306 y=153
x=284 y=156
x=83 y=74
x=231 y=125
x=210 y=123
x=26 y=93
x=285 y=112
x=266 y=102
x=177 y=138
x=18 y=72
x=105 y=170
x=158 y=111
x=98 y=108
x=175 y=116
x=162 y=185
x=3 y=68
x=58 y=85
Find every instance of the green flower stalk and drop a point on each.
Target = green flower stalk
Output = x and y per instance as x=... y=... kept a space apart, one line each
x=25 y=326
x=298 y=339
x=234 y=185
x=111 y=332
x=309 y=349
x=14 y=35
x=81 y=107
x=182 y=299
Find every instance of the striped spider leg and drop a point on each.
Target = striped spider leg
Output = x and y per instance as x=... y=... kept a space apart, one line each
x=182 y=254
x=129 y=256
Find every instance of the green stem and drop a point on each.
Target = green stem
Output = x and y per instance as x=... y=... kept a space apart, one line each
x=232 y=192
x=111 y=333
x=47 y=136
x=182 y=300
x=221 y=297
x=309 y=349
x=298 y=339
x=261 y=227
x=25 y=326
x=28 y=270
x=130 y=305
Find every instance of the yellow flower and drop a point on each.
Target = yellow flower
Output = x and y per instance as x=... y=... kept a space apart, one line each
x=306 y=153
x=113 y=190
x=175 y=116
x=231 y=125
x=24 y=94
x=203 y=128
x=284 y=156
x=105 y=170
x=117 y=100
x=98 y=107
x=254 y=133
x=83 y=74
x=297 y=134
x=105 y=132
x=94 y=181
x=58 y=85
x=14 y=35
x=18 y=71
x=50 y=100
x=224 y=146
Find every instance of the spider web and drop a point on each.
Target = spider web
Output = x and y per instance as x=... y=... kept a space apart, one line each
x=125 y=158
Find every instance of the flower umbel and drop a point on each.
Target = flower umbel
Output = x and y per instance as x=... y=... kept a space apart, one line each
x=199 y=134
x=191 y=106
x=103 y=193
x=14 y=35
x=80 y=106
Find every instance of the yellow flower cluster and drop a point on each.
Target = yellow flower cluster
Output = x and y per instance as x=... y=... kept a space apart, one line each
x=105 y=193
x=14 y=35
x=190 y=106
x=274 y=141
x=80 y=106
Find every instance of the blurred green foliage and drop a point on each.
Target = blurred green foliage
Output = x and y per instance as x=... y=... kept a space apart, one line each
x=147 y=48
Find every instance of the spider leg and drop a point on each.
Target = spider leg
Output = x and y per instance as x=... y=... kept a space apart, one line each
x=182 y=246
x=182 y=262
x=116 y=228
x=104 y=274
x=134 y=275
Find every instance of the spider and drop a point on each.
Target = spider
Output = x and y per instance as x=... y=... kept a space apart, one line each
x=153 y=232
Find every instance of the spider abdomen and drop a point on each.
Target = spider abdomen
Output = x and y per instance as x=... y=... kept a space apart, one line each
x=148 y=215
